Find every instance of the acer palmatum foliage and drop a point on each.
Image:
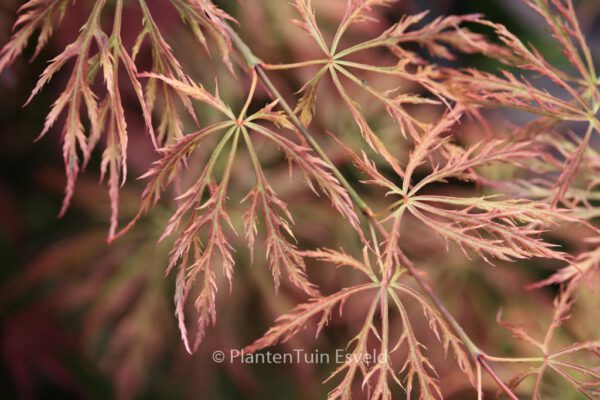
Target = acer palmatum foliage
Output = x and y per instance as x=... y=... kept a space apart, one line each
x=429 y=178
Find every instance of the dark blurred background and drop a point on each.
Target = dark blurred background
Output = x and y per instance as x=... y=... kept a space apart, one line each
x=82 y=319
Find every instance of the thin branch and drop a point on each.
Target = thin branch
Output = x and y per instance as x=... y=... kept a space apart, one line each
x=481 y=360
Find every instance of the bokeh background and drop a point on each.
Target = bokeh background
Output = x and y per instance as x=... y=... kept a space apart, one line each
x=81 y=319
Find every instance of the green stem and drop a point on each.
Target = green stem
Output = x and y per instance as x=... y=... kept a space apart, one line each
x=272 y=67
x=515 y=360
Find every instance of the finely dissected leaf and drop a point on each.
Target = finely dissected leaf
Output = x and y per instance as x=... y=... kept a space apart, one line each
x=195 y=214
x=416 y=366
x=435 y=36
x=197 y=259
x=581 y=269
x=173 y=157
x=354 y=362
x=486 y=226
x=314 y=169
x=580 y=98
x=289 y=324
x=507 y=90
x=432 y=141
x=277 y=219
x=553 y=176
x=307 y=103
x=309 y=22
x=584 y=379
x=368 y=168
x=383 y=367
x=342 y=259
x=34 y=15
x=204 y=14
x=188 y=89
x=562 y=20
x=494 y=90
x=376 y=374
x=166 y=64
x=107 y=115
x=77 y=93
x=461 y=162
x=578 y=163
x=494 y=231
x=199 y=14
x=442 y=331
x=370 y=137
